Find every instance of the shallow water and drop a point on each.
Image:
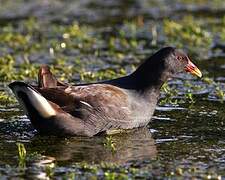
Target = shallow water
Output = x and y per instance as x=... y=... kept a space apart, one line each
x=185 y=138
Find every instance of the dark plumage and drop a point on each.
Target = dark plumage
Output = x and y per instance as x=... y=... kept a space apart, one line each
x=124 y=103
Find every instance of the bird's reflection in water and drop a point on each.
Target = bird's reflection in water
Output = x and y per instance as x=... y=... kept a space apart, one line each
x=132 y=145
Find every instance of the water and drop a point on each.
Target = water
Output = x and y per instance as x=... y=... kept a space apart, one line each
x=185 y=138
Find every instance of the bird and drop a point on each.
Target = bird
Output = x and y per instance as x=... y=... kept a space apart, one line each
x=61 y=109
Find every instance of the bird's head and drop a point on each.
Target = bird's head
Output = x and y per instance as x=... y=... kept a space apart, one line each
x=177 y=61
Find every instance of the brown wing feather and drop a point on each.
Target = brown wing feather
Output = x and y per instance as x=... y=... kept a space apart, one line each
x=101 y=106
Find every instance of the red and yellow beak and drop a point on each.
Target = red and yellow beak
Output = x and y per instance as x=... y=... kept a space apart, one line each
x=190 y=67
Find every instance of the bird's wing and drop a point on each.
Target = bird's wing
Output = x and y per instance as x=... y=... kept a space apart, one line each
x=101 y=106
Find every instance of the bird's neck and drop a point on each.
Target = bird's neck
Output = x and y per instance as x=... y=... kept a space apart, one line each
x=150 y=76
x=147 y=79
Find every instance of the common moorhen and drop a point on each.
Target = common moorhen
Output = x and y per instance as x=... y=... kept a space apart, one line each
x=88 y=109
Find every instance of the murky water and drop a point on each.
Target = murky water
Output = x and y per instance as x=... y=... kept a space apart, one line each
x=186 y=135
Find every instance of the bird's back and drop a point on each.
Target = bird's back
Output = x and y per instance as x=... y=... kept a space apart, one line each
x=101 y=106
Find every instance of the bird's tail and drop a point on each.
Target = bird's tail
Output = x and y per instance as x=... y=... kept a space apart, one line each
x=46 y=116
x=46 y=79
x=31 y=100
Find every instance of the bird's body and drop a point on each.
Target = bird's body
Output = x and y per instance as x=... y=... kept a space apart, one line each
x=124 y=103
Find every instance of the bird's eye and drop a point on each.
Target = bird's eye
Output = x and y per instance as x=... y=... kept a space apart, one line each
x=180 y=58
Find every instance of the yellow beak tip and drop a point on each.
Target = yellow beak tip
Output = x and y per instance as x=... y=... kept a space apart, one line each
x=197 y=72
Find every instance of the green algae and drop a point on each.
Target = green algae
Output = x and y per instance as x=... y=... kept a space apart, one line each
x=84 y=38
x=6 y=99
x=187 y=33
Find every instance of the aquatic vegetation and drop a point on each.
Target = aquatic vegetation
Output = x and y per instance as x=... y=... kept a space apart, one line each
x=49 y=171
x=187 y=33
x=105 y=170
x=7 y=68
x=168 y=96
x=189 y=97
x=214 y=3
x=27 y=70
x=15 y=40
x=69 y=176
x=21 y=155
x=220 y=93
x=110 y=144
x=6 y=99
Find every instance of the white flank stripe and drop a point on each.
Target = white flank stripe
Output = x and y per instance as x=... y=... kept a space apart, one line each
x=40 y=103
